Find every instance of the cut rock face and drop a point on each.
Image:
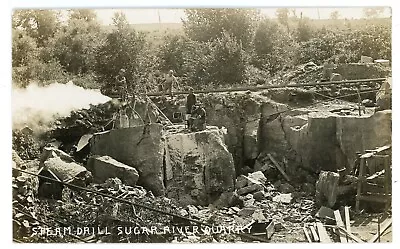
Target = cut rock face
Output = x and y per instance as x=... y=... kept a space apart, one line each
x=141 y=147
x=194 y=168
x=198 y=166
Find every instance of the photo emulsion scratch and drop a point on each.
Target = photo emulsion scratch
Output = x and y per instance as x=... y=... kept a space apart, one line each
x=202 y=125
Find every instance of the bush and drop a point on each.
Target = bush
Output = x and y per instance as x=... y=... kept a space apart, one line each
x=172 y=53
x=121 y=49
x=273 y=47
x=228 y=61
x=41 y=72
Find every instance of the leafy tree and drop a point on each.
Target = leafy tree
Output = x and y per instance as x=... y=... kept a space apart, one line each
x=304 y=30
x=172 y=53
x=210 y=24
x=24 y=48
x=283 y=17
x=86 y=15
x=373 y=12
x=273 y=46
x=334 y=15
x=76 y=44
x=228 y=61
x=121 y=49
x=39 y=24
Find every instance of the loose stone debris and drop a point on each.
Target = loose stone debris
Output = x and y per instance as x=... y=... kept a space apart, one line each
x=279 y=165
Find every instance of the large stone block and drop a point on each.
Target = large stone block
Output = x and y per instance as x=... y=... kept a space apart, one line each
x=141 y=147
x=199 y=166
x=362 y=133
x=105 y=167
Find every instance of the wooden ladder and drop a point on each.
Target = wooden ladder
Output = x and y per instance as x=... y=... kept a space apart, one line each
x=364 y=180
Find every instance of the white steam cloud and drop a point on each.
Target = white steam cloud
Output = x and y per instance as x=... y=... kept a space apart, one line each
x=37 y=107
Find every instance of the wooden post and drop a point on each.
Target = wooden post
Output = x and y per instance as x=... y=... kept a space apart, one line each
x=359 y=100
x=347 y=220
x=360 y=183
x=278 y=167
x=323 y=235
x=307 y=235
x=339 y=223
x=387 y=181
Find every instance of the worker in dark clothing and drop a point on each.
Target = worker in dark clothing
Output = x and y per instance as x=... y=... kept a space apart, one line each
x=198 y=118
x=158 y=80
x=190 y=102
x=122 y=86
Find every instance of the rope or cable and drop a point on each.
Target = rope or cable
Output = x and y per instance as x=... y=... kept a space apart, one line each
x=248 y=236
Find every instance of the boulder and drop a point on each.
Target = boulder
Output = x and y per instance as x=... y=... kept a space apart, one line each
x=141 y=147
x=69 y=172
x=247 y=211
x=106 y=167
x=366 y=59
x=257 y=177
x=241 y=182
x=228 y=199
x=259 y=195
x=326 y=189
x=283 y=198
x=286 y=188
x=384 y=96
x=250 y=189
x=51 y=152
x=325 y=212
x=16 y=159
x=198 y=166
x=58 y=169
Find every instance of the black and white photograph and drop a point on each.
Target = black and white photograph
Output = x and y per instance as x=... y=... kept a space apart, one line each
x=201 y=125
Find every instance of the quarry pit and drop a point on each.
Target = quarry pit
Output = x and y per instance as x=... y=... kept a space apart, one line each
x=259 y=158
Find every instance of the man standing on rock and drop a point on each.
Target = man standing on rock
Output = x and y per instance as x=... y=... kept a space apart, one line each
x=190 y=102
x=170 y=80
x=122 y=85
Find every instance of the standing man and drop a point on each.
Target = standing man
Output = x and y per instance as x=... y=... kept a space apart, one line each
x=122 y=85
x=190 y=101
x=158 y=80
x=170 y=80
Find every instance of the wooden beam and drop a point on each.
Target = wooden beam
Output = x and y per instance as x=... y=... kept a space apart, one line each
x=314 y=233
x=270 y=229
x=351 y=236
x=279 y=167
x=307 y=235
x=347 y=220
x=323 y=234
x=339 y=223
x=359 y=183
x=385 y=225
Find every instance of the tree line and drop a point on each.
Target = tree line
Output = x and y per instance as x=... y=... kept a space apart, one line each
x=217 y=47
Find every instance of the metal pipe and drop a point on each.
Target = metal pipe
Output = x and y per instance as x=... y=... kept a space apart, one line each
x=255 y=88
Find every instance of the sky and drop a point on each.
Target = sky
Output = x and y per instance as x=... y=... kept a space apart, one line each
x=175 y=15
